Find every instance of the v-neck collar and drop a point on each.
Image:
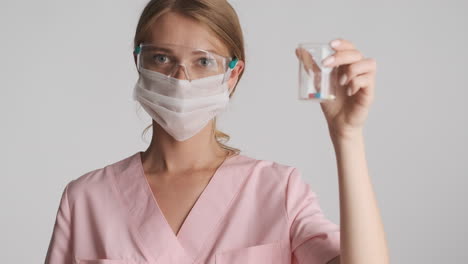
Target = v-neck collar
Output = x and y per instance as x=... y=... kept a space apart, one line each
x=157 y=237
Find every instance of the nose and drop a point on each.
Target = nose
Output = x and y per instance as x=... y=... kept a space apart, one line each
x=180 y=72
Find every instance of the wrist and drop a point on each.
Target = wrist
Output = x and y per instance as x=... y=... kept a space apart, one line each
x=343 y=135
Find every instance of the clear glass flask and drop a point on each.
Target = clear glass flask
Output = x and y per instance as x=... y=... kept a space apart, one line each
x=315 y=80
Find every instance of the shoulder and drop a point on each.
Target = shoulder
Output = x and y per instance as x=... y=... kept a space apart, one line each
x=265 y=169
x=97 y=181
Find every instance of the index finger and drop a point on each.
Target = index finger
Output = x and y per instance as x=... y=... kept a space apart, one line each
x=342 y=44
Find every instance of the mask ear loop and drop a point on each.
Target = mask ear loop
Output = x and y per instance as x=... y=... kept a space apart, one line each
x=232 y=64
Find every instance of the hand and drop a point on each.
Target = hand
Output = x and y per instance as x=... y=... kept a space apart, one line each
x=346 y=114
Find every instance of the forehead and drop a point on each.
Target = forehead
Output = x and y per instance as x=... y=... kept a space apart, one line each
x=175 y=28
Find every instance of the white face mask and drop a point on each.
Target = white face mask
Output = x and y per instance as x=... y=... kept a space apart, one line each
x=181 y=107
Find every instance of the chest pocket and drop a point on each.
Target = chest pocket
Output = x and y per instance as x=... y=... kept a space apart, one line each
x=273 y=253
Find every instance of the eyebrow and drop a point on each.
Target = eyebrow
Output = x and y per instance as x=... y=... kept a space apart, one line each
x=159 y=49
x=194 y=52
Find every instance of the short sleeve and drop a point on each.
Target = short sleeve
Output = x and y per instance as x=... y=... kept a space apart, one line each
x=59 y=250
x=314 y=238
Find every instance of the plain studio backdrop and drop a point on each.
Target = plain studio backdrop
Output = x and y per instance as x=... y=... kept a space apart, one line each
x=67 y=75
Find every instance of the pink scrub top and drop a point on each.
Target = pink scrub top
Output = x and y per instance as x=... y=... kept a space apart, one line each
x=251 y=211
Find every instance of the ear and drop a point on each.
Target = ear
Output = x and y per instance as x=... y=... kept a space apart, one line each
x=235 y=75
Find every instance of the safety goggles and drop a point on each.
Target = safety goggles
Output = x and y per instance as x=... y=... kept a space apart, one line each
x=170 y=59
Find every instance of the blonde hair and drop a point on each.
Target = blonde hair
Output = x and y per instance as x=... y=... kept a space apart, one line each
x=220 y=18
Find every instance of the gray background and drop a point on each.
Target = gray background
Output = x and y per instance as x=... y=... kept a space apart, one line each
x=67 y=75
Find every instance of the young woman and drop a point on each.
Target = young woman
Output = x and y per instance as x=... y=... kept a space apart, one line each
x=189 y=198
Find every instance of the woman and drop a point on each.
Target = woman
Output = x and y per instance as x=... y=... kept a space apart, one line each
x=191 y=199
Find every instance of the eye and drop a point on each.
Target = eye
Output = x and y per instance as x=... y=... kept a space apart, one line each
x=205 y=62
x=160 y=58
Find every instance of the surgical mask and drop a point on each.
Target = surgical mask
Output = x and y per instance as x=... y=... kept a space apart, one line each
x=181 y=107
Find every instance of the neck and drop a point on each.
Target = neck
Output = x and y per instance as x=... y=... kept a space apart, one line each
x=167 y=155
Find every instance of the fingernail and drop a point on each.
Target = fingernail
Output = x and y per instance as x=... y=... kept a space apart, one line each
x=328 y=61
x=349 y=91
x=343 y=79
x=335 y=43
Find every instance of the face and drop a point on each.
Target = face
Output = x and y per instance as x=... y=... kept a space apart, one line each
x=174 y=28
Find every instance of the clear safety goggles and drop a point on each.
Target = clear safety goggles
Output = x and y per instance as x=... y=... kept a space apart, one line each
x=173 y=60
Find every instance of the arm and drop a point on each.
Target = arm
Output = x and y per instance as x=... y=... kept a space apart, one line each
x=59 y=250
x=362 y=234
x=362 y=237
